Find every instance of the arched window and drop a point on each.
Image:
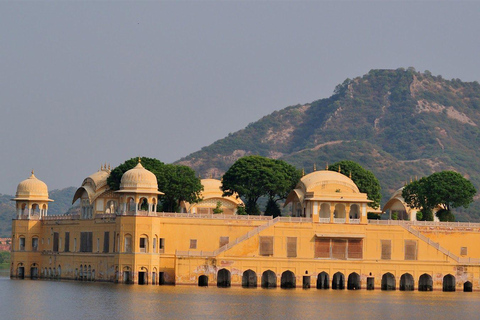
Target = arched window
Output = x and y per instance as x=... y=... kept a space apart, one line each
x=288 y=280
x=111 y=206
x=325 y=211
x=143 y=243
x=353 y=282
x=131 y=204
x=406 y=282
x=128 y=244
x=249 y=279
x=339 y=211
x=269 y=279
x=449 y=283
x=223 y=278
x=354 y=211
x=388 y=282
x=425 y=283
x=338 y=281
x=323 y=281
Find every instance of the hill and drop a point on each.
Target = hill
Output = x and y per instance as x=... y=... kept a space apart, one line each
x=400 y=124
x=62 y=204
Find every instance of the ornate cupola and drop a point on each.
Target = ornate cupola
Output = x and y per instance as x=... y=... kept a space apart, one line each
x=139 y=191
x=32 y=198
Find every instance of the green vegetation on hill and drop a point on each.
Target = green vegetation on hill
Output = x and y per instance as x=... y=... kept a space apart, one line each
x=399 y=124
x=61 y=205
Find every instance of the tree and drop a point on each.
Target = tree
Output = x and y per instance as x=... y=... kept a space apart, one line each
x=218 y=208
x=252 y=177
x=447 y=189
x=364 y=179
x=178 y=182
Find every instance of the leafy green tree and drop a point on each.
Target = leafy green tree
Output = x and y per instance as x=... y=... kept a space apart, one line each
x=252 y=177
x=447 y=189
x=272 y=208
x=218 y=208
x=178 y=182
x=364 y=179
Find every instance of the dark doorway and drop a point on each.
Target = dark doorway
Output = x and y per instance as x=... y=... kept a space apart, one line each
x=425 y=283
x=34 y=273
x=306 y=282
x=406 y=282
x=370 y=283
x=323 y=281
x=249 y=279
x=21 y=273
x=269 y=279
x=142 y=278
x=388 y=282
x=467 y=287
x=288 y=280
x=223 y=278
x=449 y=283
x=338 y=282
x=161 y=278
x=353 y=282
x=127 y=277
x=203 y=281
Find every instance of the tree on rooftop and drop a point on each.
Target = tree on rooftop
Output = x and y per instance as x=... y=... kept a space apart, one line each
x=252 y=177
x=364 y=179
x=178 y=182
x=447 y=189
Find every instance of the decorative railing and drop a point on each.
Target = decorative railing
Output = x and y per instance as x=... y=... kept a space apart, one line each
x=339 y=220
x=294 y=219
x=62 y=217
x=355 y=221
x=324 y=220
x=425 y=223
x=197 y=215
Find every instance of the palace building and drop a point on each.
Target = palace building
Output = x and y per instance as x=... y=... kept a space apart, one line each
x=327 y=242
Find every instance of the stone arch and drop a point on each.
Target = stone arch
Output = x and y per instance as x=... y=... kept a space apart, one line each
x=340 y=212
x=143 y=204
x=20 y=271
x=127 y=243
x=354 y=211
x=338 y=281
x=111 y=206
x=388 y=282
x=127 y=275
x=131 y=205
x=353 y=282
x=467 y=287
x=269 y=279
x=288 y=281
x=34 y=271
x=143 y=243
x=324 y=211
x=35 y=209
x=203 y=281
x=249 y=279
x=323 y=281
x=406 y=282
x=425 y=282
x=224 y=278
x=449 y=283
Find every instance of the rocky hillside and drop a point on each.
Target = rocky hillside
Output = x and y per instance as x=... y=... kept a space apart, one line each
x=400 y=124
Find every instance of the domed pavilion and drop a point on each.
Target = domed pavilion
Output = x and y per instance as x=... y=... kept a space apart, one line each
x=328 y=197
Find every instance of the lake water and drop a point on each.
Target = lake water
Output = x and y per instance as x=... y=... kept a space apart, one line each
x=42 y=299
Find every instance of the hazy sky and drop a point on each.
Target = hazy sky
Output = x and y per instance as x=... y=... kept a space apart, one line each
x=83 y=83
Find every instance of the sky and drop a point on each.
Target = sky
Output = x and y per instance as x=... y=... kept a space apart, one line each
x=84 y=83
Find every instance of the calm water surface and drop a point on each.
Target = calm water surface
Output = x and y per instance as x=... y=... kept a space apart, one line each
x=27 y=299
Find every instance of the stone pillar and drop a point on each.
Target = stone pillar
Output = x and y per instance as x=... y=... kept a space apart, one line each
x=347 y=213
x=363 y=215
x=332 y=210
x=315 y=214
